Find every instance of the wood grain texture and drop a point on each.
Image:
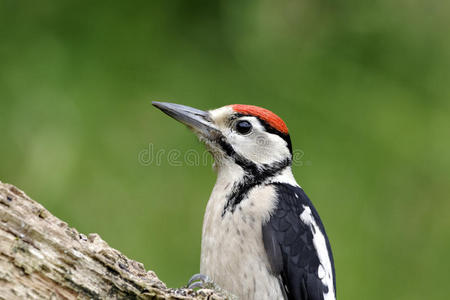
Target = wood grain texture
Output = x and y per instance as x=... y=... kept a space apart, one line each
x=41 y=257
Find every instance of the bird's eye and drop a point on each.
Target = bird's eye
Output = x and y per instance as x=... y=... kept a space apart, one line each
x=243 y=127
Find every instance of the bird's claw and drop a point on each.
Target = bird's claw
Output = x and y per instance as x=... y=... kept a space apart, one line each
x=200 y=281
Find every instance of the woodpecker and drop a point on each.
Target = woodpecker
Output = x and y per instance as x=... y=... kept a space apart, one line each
x=262 y=238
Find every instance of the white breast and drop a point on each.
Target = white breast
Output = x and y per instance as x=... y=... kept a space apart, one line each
x=233 y=254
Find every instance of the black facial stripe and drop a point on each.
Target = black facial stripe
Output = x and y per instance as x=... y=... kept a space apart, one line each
x=253 y=176
x=250 y=180
x=246 y=164
x=272 y=130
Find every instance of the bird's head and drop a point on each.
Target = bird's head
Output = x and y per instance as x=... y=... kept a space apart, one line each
x=249 y=136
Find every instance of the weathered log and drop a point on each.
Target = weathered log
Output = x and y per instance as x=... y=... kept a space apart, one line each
x=41 y=257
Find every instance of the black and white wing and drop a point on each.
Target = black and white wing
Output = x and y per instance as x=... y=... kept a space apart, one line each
x=298 y=248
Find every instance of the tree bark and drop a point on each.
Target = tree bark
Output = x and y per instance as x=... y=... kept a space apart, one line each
x=41 y=257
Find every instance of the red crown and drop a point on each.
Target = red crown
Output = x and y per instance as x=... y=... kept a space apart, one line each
x=266 y=115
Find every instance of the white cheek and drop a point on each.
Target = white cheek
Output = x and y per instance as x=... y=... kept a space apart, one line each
x=262 y=148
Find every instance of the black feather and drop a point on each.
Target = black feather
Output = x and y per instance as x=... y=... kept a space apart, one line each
x=252 y=178
x=289 y=245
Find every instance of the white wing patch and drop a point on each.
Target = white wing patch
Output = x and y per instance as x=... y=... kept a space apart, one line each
x=324 y=271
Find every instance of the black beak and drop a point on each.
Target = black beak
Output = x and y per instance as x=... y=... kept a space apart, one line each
x=198 y=120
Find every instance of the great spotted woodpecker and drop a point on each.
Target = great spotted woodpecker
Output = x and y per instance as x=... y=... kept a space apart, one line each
x=262 y=237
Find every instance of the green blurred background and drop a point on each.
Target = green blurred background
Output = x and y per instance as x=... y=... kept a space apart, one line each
x=363 y=86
